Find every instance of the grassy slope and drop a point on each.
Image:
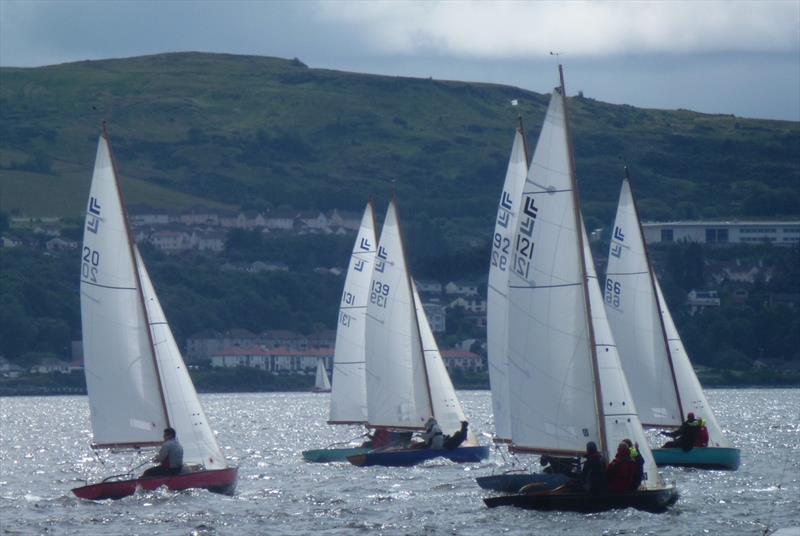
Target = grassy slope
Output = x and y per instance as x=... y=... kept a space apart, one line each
x=231 y=130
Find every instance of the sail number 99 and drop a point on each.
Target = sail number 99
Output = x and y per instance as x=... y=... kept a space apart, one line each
x=379 y=293
x=613 y=291
x=91 y=259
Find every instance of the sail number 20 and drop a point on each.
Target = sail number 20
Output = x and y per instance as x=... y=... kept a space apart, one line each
x=91 y=259
x=379 y=293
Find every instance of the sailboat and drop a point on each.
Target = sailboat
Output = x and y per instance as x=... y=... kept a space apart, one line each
x=566 y=384
x=322 y=384
x=348 y=404
x=137 y=381
x=655 y=361
x=497 y=288
x=407 y=382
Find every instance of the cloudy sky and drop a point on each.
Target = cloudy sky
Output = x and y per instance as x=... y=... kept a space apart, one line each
x=740 y=57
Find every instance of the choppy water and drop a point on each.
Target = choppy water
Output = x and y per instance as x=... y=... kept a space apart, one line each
x=44 y=452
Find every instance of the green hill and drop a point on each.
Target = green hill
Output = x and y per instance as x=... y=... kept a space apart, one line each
x=258 y=132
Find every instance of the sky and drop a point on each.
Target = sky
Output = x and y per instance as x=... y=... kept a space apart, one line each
x=736 y=57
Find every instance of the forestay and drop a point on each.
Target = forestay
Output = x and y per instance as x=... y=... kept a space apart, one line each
x=349 y=392
x=126 y=404
x=497 y=292
x=397 y=393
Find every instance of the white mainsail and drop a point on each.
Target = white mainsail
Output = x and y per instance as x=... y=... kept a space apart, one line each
x=662 y=379
x=497 y=292
x=397 y=384
x=136 y=379
x=125 y=400
x=566 y=382
x=321 y=381
x=349 y=391
x=446 y=406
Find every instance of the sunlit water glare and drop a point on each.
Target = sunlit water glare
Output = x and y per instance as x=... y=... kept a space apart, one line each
x=44 y=452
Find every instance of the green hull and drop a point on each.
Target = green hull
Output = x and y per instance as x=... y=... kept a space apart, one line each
x=333 y=455
x=700 y=457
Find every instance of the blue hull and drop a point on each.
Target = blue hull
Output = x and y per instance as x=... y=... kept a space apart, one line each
x=513 y=482
x=333 y=455
x=700 y=457
x=408 y=457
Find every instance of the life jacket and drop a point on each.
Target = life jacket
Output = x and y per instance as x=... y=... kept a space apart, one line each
x=702 y=435
x=621 y=472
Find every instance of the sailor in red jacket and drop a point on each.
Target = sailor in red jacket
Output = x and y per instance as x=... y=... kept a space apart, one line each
x=621 y=471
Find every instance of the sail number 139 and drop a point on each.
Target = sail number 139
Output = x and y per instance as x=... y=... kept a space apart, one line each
x=379 y=293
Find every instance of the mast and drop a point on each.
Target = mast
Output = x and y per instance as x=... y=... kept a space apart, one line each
x=655 y=295
x=129 y=236
x=579 y=230
x=414 y=308
x=521 y=130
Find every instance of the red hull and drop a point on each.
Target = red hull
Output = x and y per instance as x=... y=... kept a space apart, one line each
x=217 y=481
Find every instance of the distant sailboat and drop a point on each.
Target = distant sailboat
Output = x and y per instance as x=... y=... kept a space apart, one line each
x=655 y=361
x=407 y=382
x=321 y=382
x=137 y=381
x=566 y=384
x=349 y=390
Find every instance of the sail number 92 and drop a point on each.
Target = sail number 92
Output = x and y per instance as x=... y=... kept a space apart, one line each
x=91 y=259
x=379 y=293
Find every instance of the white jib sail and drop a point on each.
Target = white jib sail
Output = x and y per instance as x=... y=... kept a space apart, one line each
x=497 y=292
x=633 y=313
x=349 y=391
x=121 y=378
x=689 y=389
x=185 y=412
x=397 y=394
x=321 y=381
x=551 y=384
x=621 y=419
x=446 y=407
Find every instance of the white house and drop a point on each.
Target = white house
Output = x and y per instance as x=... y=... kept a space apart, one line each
x=461 y=289
x=780 y=233
x=49 y=365
x=463 y=360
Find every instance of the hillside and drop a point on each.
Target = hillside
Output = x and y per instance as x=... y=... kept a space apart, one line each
x=258 y=132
